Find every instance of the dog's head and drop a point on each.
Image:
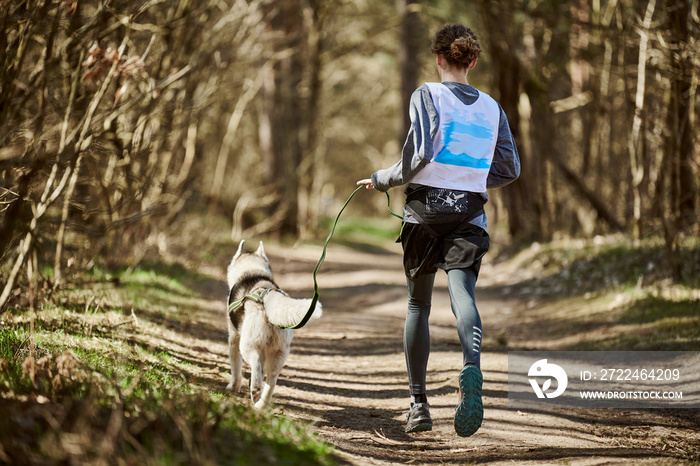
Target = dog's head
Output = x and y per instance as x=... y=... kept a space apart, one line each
x=245 y=263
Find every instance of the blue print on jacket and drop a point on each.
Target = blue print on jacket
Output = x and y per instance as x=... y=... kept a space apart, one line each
x=474 y=137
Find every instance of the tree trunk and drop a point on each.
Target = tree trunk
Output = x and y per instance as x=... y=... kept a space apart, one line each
x=283 y=112
x=683 y=183
x=680 y=211
x=60 y=236
x=633 y=146
x=310 y=187
x=409 y=59
x=522 y=221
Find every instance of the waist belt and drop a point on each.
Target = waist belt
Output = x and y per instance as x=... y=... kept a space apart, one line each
x=423 y=205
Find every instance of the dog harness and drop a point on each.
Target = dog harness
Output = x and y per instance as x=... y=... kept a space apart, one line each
x=256 y=295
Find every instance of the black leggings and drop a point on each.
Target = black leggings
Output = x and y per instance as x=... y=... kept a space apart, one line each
x=461 y=283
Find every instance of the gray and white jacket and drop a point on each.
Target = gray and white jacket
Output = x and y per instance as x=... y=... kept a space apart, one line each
x=418 y=149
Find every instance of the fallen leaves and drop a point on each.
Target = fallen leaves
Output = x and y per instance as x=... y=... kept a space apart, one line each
x=100 y=58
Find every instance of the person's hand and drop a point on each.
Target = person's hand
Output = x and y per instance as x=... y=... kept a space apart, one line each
x=367 y=183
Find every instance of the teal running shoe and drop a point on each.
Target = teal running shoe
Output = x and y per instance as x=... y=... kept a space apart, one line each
x=470 y=411
x=418 y=419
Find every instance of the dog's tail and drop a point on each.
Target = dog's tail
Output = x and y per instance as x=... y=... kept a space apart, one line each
x=283 y=311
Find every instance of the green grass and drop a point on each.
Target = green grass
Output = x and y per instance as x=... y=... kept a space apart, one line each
x=608 y=294
x=148 y=279
x=372 y=229
x=657 y=321
x=366 y=234
x=92 y=385
x=613 y=263
x=655 y=308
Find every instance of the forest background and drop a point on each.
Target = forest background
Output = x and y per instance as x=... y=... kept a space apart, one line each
x=131 y=131
x=117 y=116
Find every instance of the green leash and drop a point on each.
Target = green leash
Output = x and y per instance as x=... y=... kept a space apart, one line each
x=314 y=300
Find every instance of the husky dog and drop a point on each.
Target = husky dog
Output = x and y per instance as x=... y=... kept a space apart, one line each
x=257 y=311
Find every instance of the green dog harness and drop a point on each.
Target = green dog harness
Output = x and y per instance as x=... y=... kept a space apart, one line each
x=256 y=295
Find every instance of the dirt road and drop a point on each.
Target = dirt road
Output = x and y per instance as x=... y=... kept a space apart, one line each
x=346 y=374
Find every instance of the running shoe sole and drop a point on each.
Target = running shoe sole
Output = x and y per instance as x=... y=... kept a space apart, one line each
x=421 y=427
x=470 y=411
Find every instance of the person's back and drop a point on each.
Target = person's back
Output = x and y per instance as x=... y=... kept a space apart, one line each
x=464 y=145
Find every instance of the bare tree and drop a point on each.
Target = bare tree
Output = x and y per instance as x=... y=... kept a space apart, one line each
x=410 y=47
x=103 y=109
x=636 y=165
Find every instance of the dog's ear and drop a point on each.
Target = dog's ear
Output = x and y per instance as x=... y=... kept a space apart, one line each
x=240 y=250
x=261 y=251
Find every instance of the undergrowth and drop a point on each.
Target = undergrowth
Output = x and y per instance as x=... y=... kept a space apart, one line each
x=604 y=263
x=98 y=374
x=608 y=294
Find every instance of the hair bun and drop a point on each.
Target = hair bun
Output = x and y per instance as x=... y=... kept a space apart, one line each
x=464 y=50
x=457 y=44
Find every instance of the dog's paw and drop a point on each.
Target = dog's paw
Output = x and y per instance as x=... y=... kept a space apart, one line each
x=260 y=405
x=234 y=387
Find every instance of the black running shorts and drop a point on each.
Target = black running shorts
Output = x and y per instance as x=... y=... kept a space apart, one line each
x=457 y=246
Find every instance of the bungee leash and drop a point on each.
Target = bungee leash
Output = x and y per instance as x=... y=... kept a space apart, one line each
x=314 y=300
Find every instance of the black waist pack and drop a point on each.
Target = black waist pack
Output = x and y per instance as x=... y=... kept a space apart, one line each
x=441 y=211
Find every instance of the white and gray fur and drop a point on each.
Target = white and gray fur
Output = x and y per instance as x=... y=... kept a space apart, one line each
x=254 y=332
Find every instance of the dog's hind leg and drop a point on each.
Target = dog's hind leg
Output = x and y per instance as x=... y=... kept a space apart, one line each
x=253 y=359
x=234 y=353
x=273 y=367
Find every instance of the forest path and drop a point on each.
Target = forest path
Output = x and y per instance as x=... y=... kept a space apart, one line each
x=346 y=373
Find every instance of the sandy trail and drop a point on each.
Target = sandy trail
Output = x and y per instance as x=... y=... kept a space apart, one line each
x=347 y=374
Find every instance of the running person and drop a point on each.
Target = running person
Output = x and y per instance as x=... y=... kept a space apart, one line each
x=458 y=145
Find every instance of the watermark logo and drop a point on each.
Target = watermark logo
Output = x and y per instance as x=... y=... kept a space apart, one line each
x=604 y=379
x=543 y=369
